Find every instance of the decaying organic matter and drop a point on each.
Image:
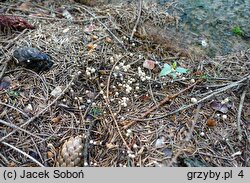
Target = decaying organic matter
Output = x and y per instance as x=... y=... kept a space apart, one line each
x=8 y=22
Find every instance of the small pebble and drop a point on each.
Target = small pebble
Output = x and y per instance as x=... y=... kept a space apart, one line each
x=194 y=100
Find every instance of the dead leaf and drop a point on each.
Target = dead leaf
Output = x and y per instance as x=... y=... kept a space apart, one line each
x=144 y=97
x=219 y=107
x=49 y=154
x=56 y=119
x=149 y=64
x=94 y=37
x=126 y=124
x=28 y=108
x=211 y=122
x=91 y=47
x=111 y=146
x=108 y=40
x=141 y=150
x=24 y=6
x=14 y=22
x=12 y=164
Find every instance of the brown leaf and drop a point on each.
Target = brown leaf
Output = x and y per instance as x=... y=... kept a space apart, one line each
x=126 y=124
x=111 y=146
x=144 y=97
x=211 y=122
x=24 y=6
x=91 y=47
x=56 y=119
x=108 y=40
x=49 y=154
x=12 y=164
x=94 y=37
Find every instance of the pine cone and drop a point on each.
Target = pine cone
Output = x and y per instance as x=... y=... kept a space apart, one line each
x=71 y=153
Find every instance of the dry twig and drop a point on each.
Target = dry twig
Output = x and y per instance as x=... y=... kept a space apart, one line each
x=242 y=98
x=40 y=112
x=188 y=138
x=23 y=153
x=137 y=20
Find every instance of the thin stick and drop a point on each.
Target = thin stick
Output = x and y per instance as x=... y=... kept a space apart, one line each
x=42 y=111
x=6 y=48
x=59 y=19
x=86 y=144
x=18 y=128
x=166 y=99
x=242 y=98
x=19 y=110
x=137 y=21
x=118 y=128
x=4 y=159
x=233 y=84
x=23 y=153
x=110 y=110
x=110 y=32
x=189 y=136
x=4 y=69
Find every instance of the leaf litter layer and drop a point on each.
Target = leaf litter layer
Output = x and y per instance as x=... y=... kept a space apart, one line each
x=101 y=88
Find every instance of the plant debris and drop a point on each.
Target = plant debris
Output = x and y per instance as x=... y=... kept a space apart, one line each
x=110 y=91
x=14 y=23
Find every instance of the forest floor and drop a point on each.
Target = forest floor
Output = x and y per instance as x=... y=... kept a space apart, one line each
x=108 y=85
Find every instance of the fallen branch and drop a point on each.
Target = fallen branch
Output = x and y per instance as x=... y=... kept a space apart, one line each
x=23 y=153
x=110 y=110
x=223 y=89
x=137 y=21
x=5 y=64
x=18 y=128
x=167 y=99
x=242 y=98
x=188 y=138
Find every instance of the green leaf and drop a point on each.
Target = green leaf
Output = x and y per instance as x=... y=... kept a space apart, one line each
x=181 y=70
x=173 y=74
x=166 y=70
x=174 y=65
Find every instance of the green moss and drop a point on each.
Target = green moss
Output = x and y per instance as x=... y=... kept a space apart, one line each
x=238 y=31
